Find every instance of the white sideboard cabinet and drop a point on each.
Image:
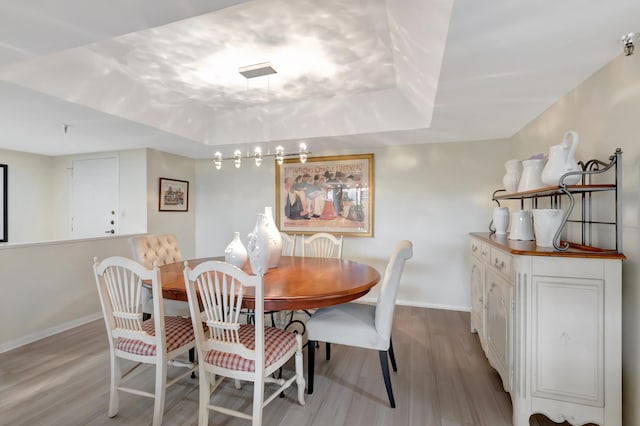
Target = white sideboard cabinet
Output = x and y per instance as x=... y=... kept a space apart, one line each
x=550 y=324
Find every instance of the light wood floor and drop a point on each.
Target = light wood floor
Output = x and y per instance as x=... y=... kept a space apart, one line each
x=443 y=379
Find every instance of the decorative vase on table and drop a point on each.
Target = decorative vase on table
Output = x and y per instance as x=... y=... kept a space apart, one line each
x=236 y=253
x=258 y=246
x=275 y=239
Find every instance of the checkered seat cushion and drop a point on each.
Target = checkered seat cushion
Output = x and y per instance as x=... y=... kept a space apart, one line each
x=179 y=332
x=277 y=342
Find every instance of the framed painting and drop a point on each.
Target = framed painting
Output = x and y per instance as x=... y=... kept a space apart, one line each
x=4 y=207
x=174 y=195
x=326 y=194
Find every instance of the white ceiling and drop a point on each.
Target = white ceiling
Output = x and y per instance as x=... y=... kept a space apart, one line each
x=164 y=73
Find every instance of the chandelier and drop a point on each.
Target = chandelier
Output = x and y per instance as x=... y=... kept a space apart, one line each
x=258 y=156
x=253 y=71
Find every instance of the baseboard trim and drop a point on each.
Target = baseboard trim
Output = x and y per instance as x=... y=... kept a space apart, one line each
x=421 y=305
x=25 y=340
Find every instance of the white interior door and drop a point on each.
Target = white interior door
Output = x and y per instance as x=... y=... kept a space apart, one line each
x=94 y=197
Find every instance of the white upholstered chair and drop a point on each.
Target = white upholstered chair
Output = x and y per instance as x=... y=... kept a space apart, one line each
x=232 y=349
x=360 y=325
x=156 y=341
x=161 y=249
x=322 y=244
x=288 y=244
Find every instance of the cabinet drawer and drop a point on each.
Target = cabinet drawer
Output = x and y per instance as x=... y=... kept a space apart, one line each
x=476 y=248
x=500 y=261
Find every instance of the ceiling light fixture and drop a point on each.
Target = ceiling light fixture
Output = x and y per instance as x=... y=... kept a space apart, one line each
x=303 y=152
x=252 y=71
x=627 y=41
x=280 y=154
x=258 y=154
x=257 y=70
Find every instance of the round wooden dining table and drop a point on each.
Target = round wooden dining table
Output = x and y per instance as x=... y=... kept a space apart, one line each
x=297 y=283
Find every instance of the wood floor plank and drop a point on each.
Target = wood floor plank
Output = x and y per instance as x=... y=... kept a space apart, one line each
x=443 y=379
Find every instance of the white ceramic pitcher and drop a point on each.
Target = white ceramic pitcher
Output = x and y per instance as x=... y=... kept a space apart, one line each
x=545 y=225
x=531 y=172
x=562 y=160
x=521 y=226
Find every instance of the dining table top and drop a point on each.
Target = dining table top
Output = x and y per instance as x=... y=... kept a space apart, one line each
x=296 y=283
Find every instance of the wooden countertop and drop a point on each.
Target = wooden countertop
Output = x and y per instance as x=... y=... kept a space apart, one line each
x=529 y=248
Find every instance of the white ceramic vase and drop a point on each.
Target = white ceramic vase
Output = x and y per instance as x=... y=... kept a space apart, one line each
x=562 y=160
x=258 y=246
x=275 y=239
x=521 y=226
x=531 y=175
x=501 y=220
x=545 y=225
x=511 y=179
x=235 y=253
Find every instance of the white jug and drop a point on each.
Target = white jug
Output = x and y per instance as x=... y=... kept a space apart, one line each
x=512 y=177
x=531 y=172
x=562 y=160
x=521 y=226
x=545 y=224
x=501 y=220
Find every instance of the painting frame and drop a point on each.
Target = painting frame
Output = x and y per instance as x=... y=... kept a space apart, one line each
x=173 y=195
x=332 y=194
x=4 y=206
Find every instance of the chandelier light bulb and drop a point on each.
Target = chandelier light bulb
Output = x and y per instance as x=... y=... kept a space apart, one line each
x=279 y=154
x=258 y=152
x=237 y=158
x=303 y=152
x=217 y=160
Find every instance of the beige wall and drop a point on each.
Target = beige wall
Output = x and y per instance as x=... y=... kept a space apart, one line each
x=605 y=111
x=432 y=194
x=182 y=224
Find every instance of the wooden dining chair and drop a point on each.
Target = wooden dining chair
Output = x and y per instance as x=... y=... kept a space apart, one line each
x=229 y=348
x=360 y=325
x=161 y=249
x=288 y=244
x=157 y=341
x=322 y=244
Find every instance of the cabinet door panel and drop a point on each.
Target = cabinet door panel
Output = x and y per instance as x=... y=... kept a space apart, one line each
x=568 y=333
x=498 y=324
x=477 y=299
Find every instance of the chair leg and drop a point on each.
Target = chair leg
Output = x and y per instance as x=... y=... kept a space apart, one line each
x=258 y=399
x=161 y=384
x=204 y=395
x=392 y=356
x=116 y=377
x=311 y=350
x=327 y=346
x=192 y=359
x=299 y=370
x=384 y=363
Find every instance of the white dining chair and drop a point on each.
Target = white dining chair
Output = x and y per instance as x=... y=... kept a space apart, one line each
x=288 y=244
x=229 y=348
x=161 y=249
x=362 y=325
x=157 y=341
x=322 y=244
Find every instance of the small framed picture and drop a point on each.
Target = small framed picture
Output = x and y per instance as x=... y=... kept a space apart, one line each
x=174 y=195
